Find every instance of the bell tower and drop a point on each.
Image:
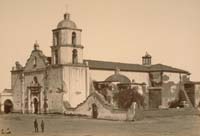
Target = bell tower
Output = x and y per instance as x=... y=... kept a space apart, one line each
x=67 y=48
x=67 y=56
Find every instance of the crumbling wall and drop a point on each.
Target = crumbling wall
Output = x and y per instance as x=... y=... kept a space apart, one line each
x=104 y=110
x=170 y=89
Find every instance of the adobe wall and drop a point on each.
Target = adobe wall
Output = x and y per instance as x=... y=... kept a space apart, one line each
x=66 y=55
x=171 y=88
x=16 y=86
x=65 y=36
x=197 y=95
x=104 y=111
x=54 y=90
x=75 y=84
x=3 y=98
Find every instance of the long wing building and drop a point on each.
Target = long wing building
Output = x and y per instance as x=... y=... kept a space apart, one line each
x=51 y=84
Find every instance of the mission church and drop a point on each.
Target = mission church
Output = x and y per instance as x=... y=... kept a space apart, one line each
x=65 y=79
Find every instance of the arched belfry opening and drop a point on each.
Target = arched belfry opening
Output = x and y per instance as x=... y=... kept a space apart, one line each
x=56 y=57
x=73 y=38
x=74 y=56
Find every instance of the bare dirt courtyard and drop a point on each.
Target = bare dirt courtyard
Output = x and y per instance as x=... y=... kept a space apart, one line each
x=59 y=125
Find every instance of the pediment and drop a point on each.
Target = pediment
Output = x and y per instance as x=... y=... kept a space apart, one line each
x=37 y=60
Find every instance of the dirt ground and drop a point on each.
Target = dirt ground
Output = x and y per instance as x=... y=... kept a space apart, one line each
x=59 y=125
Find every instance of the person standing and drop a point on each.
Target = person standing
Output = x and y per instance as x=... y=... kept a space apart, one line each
x=36 y=125
x=2 y=131
x=8 y=131
x=42 y=126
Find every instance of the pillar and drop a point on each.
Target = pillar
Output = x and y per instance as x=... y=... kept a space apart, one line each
x=22 y=88
x=40 y=101
x=29 y=101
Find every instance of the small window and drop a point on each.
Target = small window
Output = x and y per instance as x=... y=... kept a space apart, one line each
x=74 y=56
x=73 y=38
x=35 y=62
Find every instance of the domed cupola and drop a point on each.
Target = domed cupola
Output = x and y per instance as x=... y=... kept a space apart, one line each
x=67 y=48
x=117 y=77
x=66 y=22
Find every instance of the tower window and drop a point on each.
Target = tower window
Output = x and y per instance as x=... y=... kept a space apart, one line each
x=73 y=38
x=56 y=38
x=74 y=56
x=56 y=57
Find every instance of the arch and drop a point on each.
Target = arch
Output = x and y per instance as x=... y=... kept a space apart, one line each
x=73 y=38
x=56 y=38
x=8 y=106
x=94 y=111
x=74 y=56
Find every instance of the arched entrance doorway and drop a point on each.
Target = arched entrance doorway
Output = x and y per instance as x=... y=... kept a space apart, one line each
x=94 y=111
x=8 y=106
x=36 y=104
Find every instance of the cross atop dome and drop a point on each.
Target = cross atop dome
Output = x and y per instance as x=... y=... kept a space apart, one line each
x=66 y=15
x=66 y=22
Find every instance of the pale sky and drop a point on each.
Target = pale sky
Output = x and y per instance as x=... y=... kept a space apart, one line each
x=113 y=30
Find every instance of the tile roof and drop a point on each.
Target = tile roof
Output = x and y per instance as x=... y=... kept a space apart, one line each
x=106 y=65
x=165 y=68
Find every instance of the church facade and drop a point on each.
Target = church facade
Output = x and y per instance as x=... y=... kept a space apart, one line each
x=65 y=79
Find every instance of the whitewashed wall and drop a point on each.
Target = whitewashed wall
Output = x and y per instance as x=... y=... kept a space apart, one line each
x=75 y=84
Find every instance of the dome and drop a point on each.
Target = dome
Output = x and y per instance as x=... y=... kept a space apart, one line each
x=118 y=78
x=66 y=22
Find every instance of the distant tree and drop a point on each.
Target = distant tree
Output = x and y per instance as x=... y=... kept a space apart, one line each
x=126 y=97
